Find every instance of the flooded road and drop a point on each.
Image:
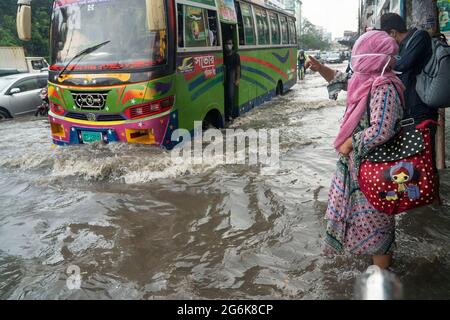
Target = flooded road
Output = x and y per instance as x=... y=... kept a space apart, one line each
x=139 y=227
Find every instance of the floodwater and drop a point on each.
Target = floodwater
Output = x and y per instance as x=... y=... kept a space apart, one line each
x=139 y=227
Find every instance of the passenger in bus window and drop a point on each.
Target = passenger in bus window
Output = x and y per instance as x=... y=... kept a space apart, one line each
x=212 y=28
x=232 y=64
x=211 y=38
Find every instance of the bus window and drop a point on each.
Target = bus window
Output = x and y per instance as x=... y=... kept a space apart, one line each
x=240 y=24
x=292 y=34
x=284 y=30
x=275 y=28
x=262 y=26
x=195 y=30
x=200 y=27
x=75 y=27
x=213 y=34
x=247 y=17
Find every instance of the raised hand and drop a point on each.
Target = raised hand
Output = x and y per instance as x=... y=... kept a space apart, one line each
x=313 y=64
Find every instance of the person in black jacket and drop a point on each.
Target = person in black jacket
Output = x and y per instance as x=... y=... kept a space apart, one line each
x=232 y=66
x=415 y=52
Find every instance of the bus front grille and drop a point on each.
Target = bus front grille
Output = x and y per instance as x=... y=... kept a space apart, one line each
x=91 y=101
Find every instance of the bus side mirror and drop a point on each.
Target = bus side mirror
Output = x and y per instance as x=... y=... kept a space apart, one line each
x=156 y=20
x=23 y=21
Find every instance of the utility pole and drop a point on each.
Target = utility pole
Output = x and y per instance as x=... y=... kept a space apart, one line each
x=440 y=135
x=359 y=16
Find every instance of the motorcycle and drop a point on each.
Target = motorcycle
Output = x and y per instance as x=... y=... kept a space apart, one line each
x=42 y=110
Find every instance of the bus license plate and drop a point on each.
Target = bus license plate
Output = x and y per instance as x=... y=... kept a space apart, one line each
x=90 y=137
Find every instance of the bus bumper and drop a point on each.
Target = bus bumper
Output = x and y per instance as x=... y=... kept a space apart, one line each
x=68 y=131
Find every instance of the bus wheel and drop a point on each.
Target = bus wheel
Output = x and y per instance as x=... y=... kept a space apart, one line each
x=213 y=119
x=280 y=88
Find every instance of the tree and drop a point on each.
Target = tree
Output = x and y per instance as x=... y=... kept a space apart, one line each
x=312 y=37
x=39 y=45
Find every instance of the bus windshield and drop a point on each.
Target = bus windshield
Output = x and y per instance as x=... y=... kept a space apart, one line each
x=136 y=30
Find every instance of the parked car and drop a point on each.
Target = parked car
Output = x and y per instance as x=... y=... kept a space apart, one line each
x=19 y=93
x=8 y=72
x=333 y=57
x=316 y=54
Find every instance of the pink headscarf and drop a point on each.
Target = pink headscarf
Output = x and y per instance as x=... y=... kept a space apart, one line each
x=373 y=59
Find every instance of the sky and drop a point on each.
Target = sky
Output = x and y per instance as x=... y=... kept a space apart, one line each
x=334 y=15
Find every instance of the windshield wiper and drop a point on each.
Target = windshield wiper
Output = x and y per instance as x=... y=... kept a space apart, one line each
x=83 y=53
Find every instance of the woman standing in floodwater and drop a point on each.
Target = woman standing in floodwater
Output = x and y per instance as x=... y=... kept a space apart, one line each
x=353 y=224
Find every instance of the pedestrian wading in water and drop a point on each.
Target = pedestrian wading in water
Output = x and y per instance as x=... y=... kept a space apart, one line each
x=353 y=224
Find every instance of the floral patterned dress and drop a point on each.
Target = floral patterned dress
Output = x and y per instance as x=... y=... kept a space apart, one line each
x=353 y=224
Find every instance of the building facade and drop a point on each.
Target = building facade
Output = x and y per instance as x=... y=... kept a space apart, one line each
x=295 y=7
x=417 y=13
x=279 y=4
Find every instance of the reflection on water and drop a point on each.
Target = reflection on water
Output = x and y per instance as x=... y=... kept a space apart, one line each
x=141 y=228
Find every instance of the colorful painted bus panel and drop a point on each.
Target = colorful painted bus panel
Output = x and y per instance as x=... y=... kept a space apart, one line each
x=135 y=71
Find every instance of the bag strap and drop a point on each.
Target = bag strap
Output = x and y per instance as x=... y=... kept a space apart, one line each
x=441 y=37
x=368 y=104
x=412 y=37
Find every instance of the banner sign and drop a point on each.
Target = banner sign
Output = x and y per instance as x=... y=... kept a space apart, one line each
x=444 y=16
x=227 y=11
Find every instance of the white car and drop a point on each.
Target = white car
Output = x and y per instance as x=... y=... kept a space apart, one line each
x=19 y=93
x=333 y=57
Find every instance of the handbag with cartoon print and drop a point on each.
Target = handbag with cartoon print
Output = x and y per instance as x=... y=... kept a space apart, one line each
x=400 y=175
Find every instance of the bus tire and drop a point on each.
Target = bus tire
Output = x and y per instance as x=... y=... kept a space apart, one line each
x=280 y=89
x=213 y=119
x=4 y=114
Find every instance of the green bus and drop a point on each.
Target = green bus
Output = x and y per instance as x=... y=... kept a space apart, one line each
x=137 y=70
